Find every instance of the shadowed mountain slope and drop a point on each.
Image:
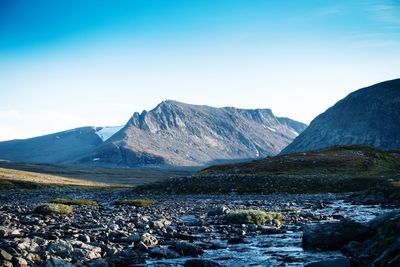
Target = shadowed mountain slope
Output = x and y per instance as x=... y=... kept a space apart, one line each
x=369 y=116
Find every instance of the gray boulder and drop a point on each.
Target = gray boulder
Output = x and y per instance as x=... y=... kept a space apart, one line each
x=333 y=235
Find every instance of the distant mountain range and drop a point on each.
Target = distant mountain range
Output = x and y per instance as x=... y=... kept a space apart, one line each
x=369 y=116
x=173 y=133
x=62 y=147
x=179 y=134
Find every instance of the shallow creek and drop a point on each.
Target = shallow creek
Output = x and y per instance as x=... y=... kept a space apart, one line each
x=282 y=249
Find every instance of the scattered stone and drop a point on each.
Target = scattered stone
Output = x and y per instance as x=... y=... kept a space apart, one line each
x=4 y=255
x=161 y=224
x=6 y=263
x=19 y=262
x=218 y=211
x=62 y=249
x=149 y=240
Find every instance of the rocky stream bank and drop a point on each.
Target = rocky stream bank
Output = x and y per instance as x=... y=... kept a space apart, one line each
x=296 y=230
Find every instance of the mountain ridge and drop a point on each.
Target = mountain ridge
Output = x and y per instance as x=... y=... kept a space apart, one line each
x=182 y=134
x=369 y=116
x=173 y=133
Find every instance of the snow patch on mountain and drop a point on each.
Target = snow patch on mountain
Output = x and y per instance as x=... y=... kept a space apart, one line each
x=106 y=132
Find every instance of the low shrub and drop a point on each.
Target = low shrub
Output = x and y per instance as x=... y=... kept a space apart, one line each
x=53 y=208
x=78 y=202
x=253 y=216
x=135 y=202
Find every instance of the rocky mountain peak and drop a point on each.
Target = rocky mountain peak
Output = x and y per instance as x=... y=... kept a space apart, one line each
x=185 y=134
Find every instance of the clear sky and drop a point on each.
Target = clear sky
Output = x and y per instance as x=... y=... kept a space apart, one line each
x=71 y=63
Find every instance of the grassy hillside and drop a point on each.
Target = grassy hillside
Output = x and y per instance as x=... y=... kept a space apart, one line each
x=129 y=176
x=16 y=179
x=336 y=169
x=354 y=160
x=35 y=175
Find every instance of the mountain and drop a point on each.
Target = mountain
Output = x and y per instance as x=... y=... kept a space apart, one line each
x=62 y=147
x=369 y=116
x=180 y=134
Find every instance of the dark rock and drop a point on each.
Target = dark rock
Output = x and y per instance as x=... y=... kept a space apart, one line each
x=382 y=247
x=330 y=263
x=4 y=231
x=389 y=255
x=333 y=235
x=126 y=257
x=62 y=249
x=201 y=263
x=382 y=219
x=99 y=263
x=188 y=249
x=54 y=262
x=84 y=238
x=270 y=230
x=236 y=240
x=163 y=252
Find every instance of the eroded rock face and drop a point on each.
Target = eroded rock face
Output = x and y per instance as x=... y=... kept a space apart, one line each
x=190 y=135
x=369 y=116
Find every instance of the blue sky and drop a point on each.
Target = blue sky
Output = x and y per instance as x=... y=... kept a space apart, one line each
x=65 y=64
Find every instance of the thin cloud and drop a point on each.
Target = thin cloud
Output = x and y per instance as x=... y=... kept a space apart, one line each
x=388 y=13
x=331 y=10
x=373 y=40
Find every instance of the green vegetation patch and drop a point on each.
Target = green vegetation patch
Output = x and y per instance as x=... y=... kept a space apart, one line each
x=20 y=185
x=78 y=202
x=53 y=208
x=253 y=216
x=135 y=202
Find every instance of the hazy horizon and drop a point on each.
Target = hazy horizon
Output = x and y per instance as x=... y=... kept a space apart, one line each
x=66 y=64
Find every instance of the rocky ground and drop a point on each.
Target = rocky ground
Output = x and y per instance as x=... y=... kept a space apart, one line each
x=191 y=231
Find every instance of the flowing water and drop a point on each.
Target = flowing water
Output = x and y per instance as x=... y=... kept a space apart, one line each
x=277 y=249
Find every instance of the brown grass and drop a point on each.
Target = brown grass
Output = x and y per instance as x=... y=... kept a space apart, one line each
x=10 y=178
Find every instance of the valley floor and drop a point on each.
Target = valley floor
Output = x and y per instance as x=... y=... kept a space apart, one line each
x=174 y=231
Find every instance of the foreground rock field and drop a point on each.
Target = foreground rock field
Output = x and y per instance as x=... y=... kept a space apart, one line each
x=188 y=230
